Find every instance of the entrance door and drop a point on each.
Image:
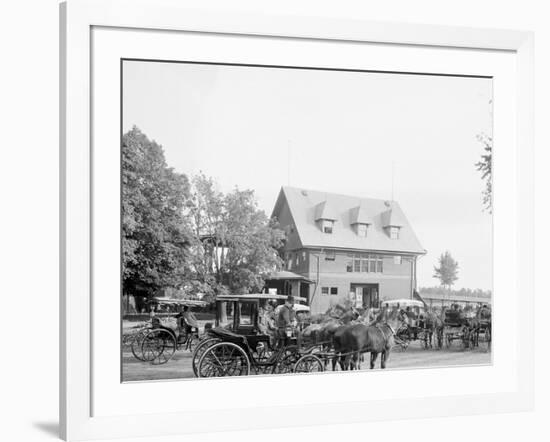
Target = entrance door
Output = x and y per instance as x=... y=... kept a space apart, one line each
x=368 y=293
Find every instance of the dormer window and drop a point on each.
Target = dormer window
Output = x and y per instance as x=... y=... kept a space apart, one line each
x=325 y=217
x=327 y=226
x=392 y=221
x=361 y=229
x=394 y=232
x=360 y=219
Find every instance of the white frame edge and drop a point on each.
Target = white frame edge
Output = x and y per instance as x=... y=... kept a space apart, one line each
x=76 y=19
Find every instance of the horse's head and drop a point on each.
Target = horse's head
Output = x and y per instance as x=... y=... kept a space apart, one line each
x=350 y=315
x=393 y=319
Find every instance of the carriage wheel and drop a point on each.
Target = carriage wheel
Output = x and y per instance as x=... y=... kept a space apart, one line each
x=158 y=346
x=136 y=344
x=286 y=360
x=199 y=350
x=223 y=359
x=309 y=364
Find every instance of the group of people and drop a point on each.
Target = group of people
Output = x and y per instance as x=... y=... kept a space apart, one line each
x=278 y=320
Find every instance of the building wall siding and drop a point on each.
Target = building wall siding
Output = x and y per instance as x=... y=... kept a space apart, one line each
x=286 y=222
x=396 y=280
x=388 y=288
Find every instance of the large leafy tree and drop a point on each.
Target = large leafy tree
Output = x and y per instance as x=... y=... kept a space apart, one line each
x=447 y=271
x=155 y=235
x=234 y=243
x=485 y=167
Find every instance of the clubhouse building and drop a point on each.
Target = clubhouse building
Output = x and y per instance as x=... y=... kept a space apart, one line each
x=346 y=247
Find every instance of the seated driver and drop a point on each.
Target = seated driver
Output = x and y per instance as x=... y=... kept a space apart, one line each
x=187 y=322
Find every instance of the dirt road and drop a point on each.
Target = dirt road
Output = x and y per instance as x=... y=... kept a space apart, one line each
x=179 y=367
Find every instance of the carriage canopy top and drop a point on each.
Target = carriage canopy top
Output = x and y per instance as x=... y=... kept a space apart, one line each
x=189 y=302
x=403 y=303
x=256 y=296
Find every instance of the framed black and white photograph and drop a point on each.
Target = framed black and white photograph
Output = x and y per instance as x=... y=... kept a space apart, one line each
x=264 y=204
x=292 y=223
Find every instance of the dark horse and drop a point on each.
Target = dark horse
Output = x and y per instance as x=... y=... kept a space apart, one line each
x=351 y=341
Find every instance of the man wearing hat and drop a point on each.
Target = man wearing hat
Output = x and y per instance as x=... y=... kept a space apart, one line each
x=286 y=317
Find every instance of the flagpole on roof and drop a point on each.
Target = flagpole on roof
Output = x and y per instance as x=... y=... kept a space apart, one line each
x=392 y=178
x=288 y=163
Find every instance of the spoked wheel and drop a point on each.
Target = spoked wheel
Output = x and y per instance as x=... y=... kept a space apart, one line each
x=136 y=344
x=158 y=346
x=286 y=360
x=309 y=364
x=192 y=342
x=198 y=351
x=223 y=359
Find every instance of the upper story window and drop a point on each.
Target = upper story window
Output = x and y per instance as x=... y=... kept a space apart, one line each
x=362 y=262
x=362 y=229
x=394 y=232
x=327 y=225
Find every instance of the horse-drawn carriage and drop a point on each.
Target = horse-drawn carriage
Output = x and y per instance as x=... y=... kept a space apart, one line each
x=241 y=347
x=470 y=328
x=241 y=342
x=417 y=324
x=157 y=341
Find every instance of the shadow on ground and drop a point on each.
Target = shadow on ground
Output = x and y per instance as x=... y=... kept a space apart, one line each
x=50 y=428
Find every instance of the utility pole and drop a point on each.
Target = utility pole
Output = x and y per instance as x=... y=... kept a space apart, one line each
x=392 y=178
x=288 y=163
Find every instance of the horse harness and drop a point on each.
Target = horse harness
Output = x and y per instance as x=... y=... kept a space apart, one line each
x=379 y=328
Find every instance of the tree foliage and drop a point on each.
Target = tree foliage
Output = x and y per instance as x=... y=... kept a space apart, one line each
x=155 y=235
x=189 y=235
x=463 y=292
x=234 y=243
x=447 y=272
x=485 y=167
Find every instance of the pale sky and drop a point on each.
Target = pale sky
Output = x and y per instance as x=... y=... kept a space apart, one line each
x=261 y=128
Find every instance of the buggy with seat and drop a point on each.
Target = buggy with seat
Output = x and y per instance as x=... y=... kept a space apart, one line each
x=414 y=326
x=158 y=341
x=240 y=344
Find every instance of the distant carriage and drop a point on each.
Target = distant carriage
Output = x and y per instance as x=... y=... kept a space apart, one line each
x=156 y=342
x=471 y=329
x=418 y=324
x=457 y=327
x=482 y=328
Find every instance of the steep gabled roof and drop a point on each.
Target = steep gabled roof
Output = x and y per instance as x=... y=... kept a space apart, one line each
x=324 y=210
x=359 y=215
x=393 y=217
x=304 y=208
